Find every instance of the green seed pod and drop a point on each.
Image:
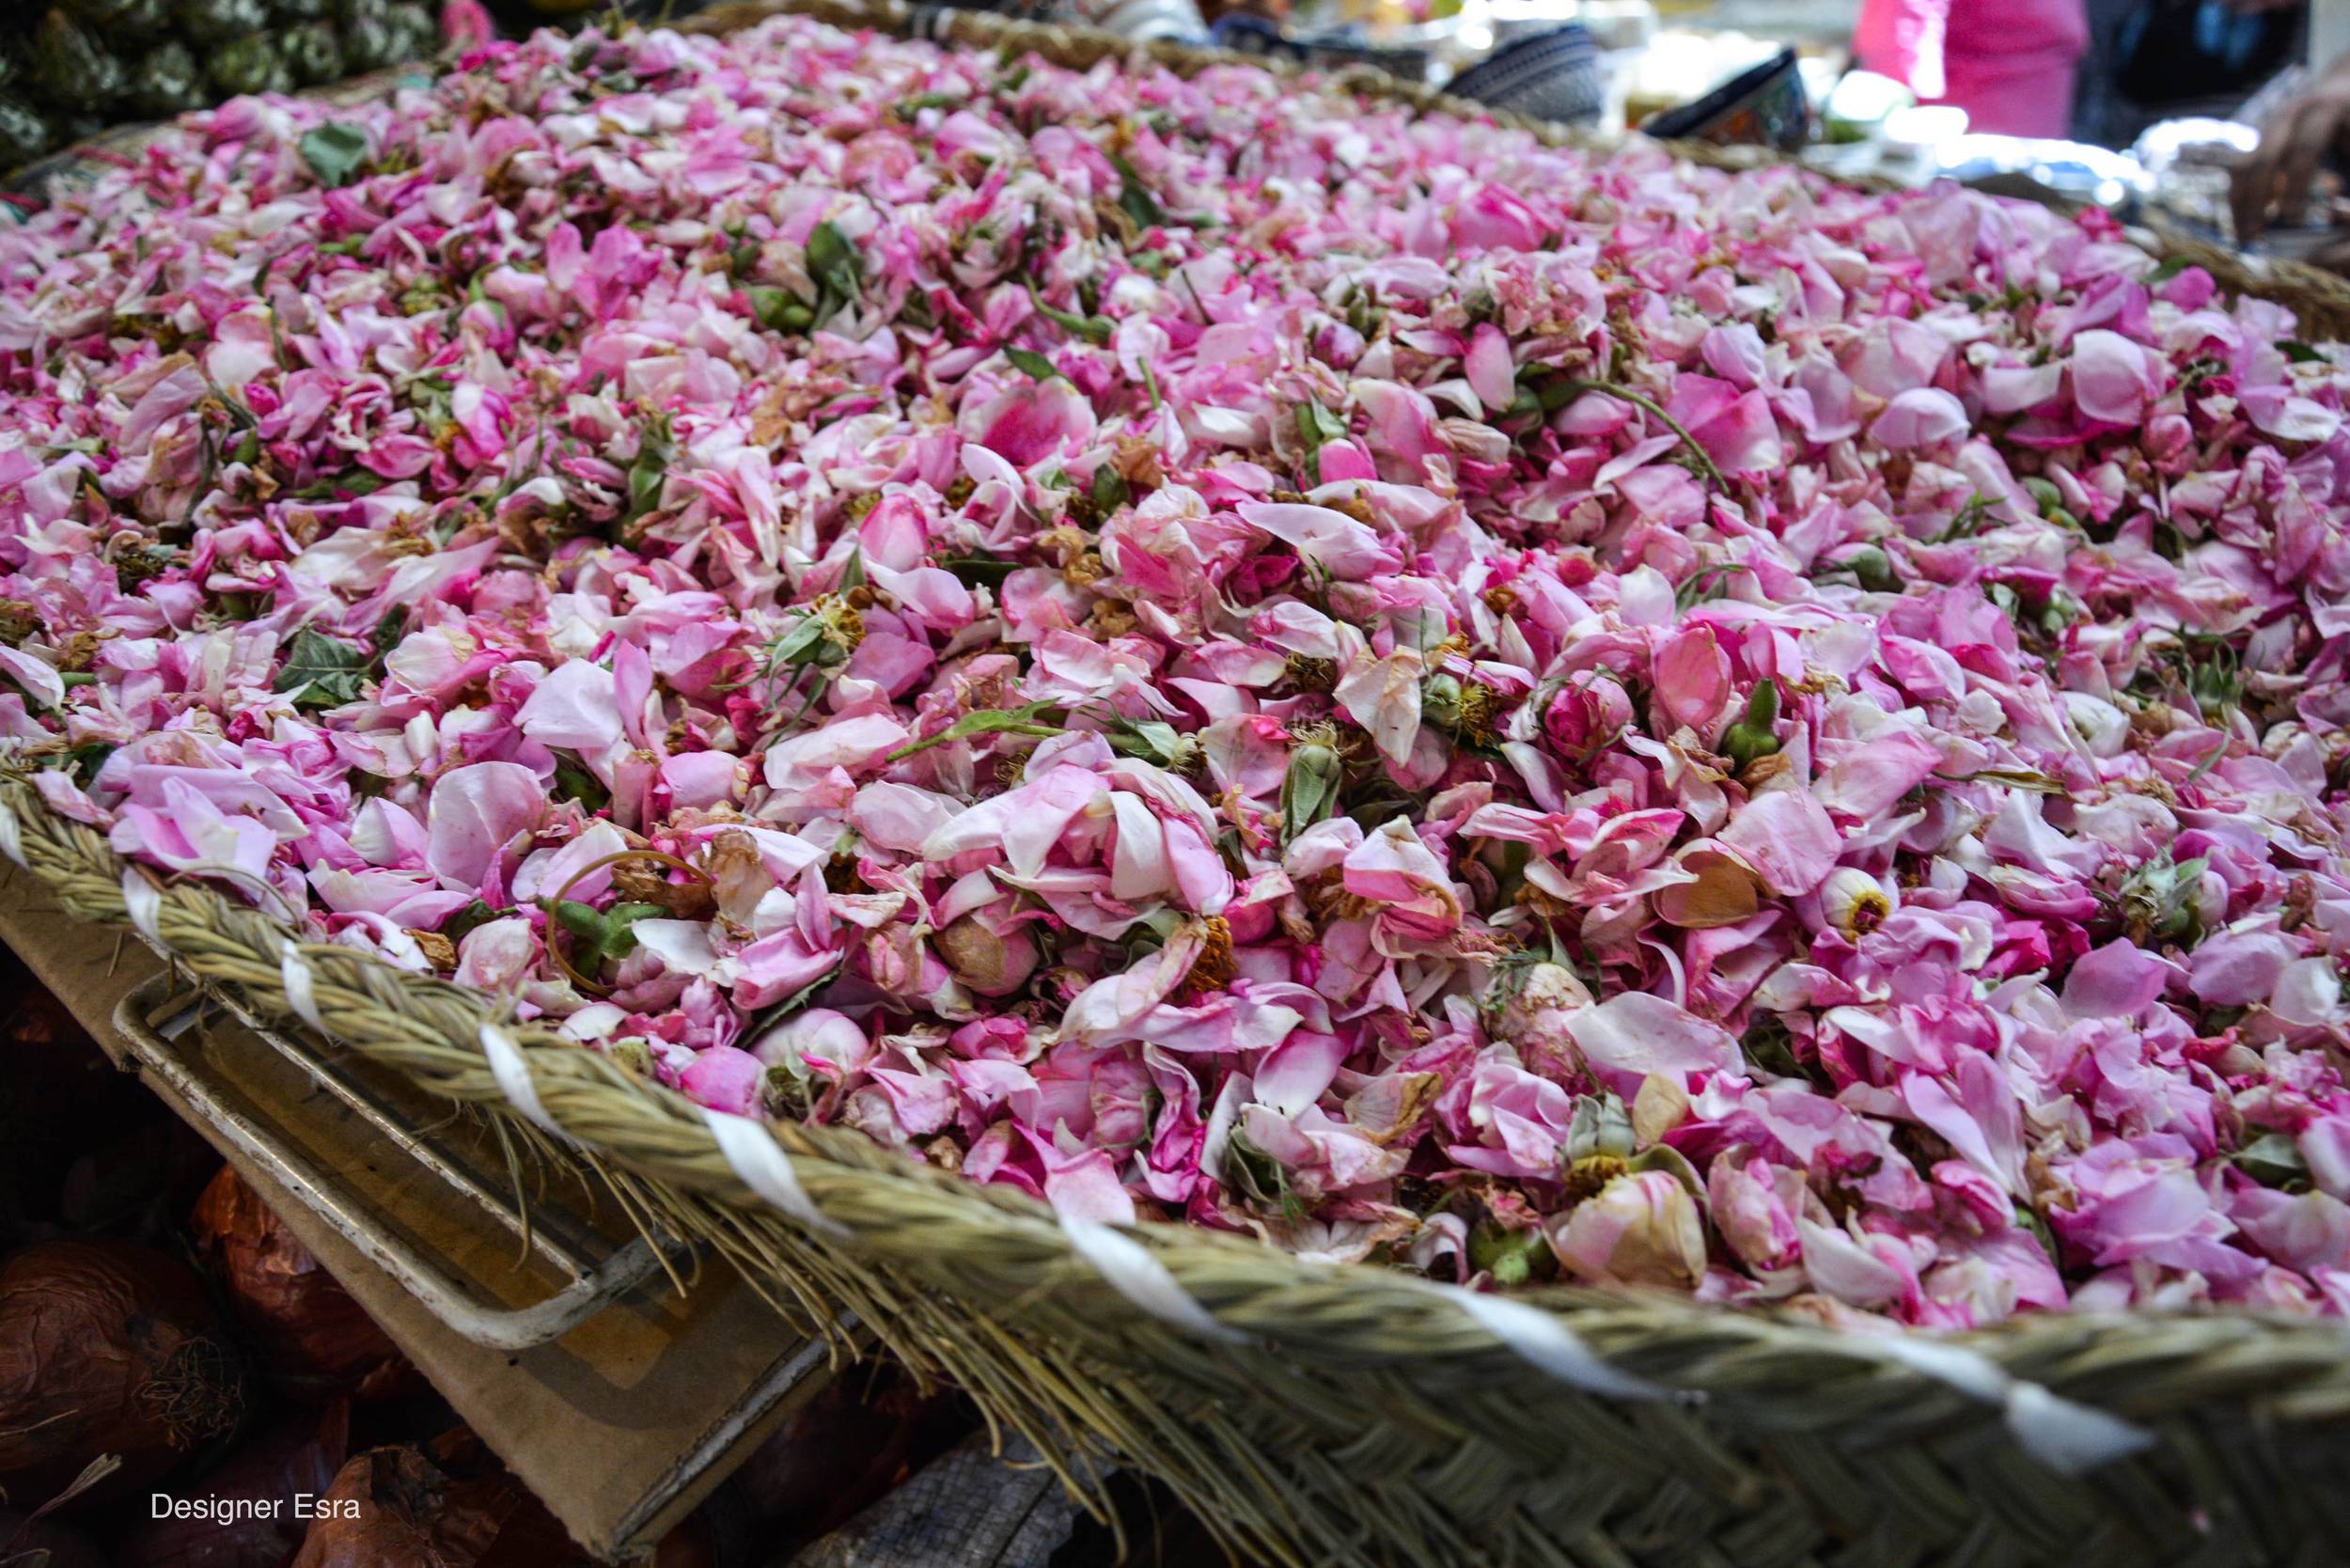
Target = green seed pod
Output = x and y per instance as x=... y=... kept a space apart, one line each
x=249 y=65
x=2157 y=901
x=1600 y=1127
x=23 y=134
x=206 y=22
x=1873 y=567
x=779 y=309
x=1440 y=700
x=786 y=1092
x=1309 y=791
x=1753 y=736
x=167 y=80
x=368 y=45
x=1511 y=1257
x=313 y=52
x=72 y=70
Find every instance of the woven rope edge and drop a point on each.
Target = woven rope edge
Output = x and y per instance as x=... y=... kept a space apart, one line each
x=1454 y=1364
x=431 y=1031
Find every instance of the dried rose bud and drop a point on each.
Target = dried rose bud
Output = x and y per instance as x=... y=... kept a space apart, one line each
x=1752 y=1209
x=1599 y=1127
x=738 y=876
x=638 y=883
x=1589 y=713
x=832 y=1038
x=991 y=964
x=1549 y=986
x=1854 y=902
x=1641 y=1229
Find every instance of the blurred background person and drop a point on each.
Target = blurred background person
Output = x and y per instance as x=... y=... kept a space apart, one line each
x=2152 y=60
x=2299 y=139
x=2009 y=64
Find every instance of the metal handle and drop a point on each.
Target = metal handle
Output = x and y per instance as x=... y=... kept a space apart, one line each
x=151 y=1019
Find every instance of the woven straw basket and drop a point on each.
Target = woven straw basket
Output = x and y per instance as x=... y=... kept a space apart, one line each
x=1324 y=1414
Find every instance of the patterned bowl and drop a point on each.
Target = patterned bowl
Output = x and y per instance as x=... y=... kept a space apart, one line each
x=1557 y=75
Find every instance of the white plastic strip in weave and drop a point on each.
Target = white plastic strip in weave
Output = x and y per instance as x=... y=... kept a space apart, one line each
x=513 y=1076
x=301 y=985
x=1544 y=1339
x=143 y=902
x=1142 y=1279
x=753 y=1155
x=2067 y=1437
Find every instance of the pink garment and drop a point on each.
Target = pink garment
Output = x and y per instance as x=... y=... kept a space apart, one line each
x=2008 y=63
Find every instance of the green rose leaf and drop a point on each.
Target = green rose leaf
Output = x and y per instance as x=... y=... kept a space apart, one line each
x=1109 y=490
x=1035 y=365
x=334 y=152
x=1317 y=425
x=832 y=262
x=322 y=672
x=573 y=782
x=1135 y=197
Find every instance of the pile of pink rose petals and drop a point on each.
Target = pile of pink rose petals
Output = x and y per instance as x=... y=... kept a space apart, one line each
x=1214 y=649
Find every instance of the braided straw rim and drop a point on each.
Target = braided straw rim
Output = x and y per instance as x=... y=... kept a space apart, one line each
x=1317 y=1413
x=988 y=1288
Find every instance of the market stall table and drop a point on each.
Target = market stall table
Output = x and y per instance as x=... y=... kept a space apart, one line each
x=623 y=1425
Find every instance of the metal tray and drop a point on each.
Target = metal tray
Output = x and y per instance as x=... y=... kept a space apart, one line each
x=158 y=1022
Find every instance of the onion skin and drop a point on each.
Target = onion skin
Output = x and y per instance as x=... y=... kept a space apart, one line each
x=306 y=1333
x=297 y=1454
x=106 y=1348
x=444 y=1504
